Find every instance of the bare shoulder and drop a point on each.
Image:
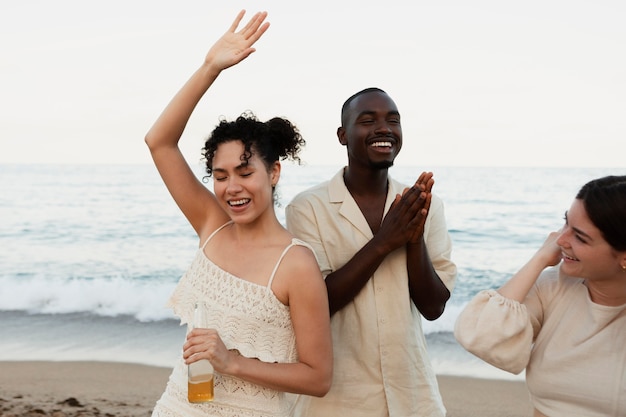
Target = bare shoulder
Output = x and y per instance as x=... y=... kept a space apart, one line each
x=301 y=258
x=299 y=267
x=298 y=276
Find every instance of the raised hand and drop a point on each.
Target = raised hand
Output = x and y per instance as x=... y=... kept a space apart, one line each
x=233 y=46
x=550 y=252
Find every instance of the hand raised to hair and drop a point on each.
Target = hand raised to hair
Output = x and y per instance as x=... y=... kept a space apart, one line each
x=233 y=47
x=550 y=251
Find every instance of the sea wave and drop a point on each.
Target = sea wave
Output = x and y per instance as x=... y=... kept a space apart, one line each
x=142 y=299
x=108 y=297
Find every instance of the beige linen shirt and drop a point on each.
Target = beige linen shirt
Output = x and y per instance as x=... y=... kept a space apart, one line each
x=381 y=364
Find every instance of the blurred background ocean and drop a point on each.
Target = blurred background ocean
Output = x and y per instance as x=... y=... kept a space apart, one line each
x=89 y=254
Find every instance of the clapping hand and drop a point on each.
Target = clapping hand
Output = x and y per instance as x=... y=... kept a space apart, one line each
x=404 y=222
x=424 y=183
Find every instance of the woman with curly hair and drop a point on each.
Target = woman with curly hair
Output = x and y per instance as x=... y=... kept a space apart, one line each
x=268 y=336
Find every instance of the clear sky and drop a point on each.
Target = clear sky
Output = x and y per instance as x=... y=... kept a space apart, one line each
x=478 y=82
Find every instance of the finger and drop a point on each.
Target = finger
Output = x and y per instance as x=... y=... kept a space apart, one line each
x=395 y=202
x=406 y=201
x=233 y=26
x=412 y=195
x=399 y=210
x=254 y=22
x=194 y=356
x=423 y=178
x=257 y=34
x=254 y=25
x=427 y=181
x=422 y=208
x=197 y=331
x=426 y=207
x=420 y=179
x=429 y=185
x=189 y=351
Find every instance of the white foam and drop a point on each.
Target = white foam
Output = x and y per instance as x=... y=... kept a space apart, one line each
x=110 y=297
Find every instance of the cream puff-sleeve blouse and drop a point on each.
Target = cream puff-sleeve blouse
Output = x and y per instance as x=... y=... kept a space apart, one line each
x=573 y=350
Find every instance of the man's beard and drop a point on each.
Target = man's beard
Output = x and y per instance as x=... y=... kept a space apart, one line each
x=381 y=164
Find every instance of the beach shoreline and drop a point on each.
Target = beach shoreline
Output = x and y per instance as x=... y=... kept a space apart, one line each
x=111 y=389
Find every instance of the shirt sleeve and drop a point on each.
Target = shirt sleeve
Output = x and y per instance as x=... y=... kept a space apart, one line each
x=496 y=329
x=302 y=223
x=439 y=244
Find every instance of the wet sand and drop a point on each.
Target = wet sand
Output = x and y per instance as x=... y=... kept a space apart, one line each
x=106 y=389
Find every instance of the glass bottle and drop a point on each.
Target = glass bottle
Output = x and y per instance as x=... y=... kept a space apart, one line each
x=200 y=373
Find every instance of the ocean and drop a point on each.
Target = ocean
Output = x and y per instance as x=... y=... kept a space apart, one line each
x=90 y=253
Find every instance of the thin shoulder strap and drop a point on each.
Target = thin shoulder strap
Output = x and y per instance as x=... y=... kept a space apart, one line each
x=294 y=242
x=214 y=232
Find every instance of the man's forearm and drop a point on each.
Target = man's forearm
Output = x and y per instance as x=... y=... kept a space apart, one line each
x=427 y=290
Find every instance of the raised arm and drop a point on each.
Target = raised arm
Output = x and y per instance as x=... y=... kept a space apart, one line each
x=500 y=326
x=196 y=202
x=549 y=254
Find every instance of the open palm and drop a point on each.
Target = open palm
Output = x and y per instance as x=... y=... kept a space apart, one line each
x=233 y=46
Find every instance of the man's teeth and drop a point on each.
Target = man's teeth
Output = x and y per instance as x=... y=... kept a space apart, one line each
x=238 y=202
x=382 y=144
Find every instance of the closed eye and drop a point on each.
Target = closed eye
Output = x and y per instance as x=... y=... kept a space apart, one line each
x=578 y=234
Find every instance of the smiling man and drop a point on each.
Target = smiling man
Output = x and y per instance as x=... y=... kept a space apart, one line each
x=384 y=250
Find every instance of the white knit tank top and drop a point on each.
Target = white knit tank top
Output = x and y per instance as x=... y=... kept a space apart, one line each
x=248 y=318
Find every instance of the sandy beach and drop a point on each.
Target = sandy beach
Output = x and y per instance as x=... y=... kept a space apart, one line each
x=90 y=389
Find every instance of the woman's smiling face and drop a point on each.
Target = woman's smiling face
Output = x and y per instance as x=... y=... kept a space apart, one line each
x=584 y=251
x=243 y=188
